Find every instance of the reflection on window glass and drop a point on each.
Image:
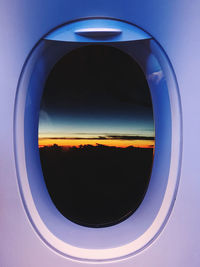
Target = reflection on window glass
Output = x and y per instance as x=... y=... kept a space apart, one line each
x=96 y=135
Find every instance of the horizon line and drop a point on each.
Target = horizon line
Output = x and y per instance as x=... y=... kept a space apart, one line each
x=86 y=145
x=109 y=137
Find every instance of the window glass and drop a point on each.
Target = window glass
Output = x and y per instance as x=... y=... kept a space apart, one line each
x=96 y=135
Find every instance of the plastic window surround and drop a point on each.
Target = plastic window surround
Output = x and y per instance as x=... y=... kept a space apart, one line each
x=140 y=229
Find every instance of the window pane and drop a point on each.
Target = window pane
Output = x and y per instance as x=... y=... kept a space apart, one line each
x=96 y=135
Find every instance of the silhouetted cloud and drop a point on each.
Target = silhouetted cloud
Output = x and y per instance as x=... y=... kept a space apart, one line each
x=106 y=137
x=132 y=137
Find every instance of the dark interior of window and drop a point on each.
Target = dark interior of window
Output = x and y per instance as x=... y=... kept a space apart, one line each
x=96 y=135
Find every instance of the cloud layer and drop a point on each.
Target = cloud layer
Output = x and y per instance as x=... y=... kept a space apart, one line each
x=106 y=137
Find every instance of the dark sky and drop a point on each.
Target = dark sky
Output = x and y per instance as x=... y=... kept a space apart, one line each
x=96 y=90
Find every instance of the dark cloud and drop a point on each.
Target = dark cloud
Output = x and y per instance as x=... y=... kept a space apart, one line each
x=132 y=137
x=106 y=137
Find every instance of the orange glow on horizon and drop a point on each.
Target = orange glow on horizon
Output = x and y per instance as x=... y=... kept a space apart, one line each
x=110 y=142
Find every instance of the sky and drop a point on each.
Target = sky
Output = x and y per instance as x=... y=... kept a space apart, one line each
x=96 y=95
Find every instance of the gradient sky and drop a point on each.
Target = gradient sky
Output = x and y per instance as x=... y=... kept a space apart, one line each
x=96 y=95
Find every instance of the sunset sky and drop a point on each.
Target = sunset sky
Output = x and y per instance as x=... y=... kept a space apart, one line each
x=96 y=95
x=106 y=132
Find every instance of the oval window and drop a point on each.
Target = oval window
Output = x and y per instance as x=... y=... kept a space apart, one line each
x=96 y=135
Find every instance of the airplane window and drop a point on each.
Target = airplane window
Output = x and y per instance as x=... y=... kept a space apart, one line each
x=96 y=135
